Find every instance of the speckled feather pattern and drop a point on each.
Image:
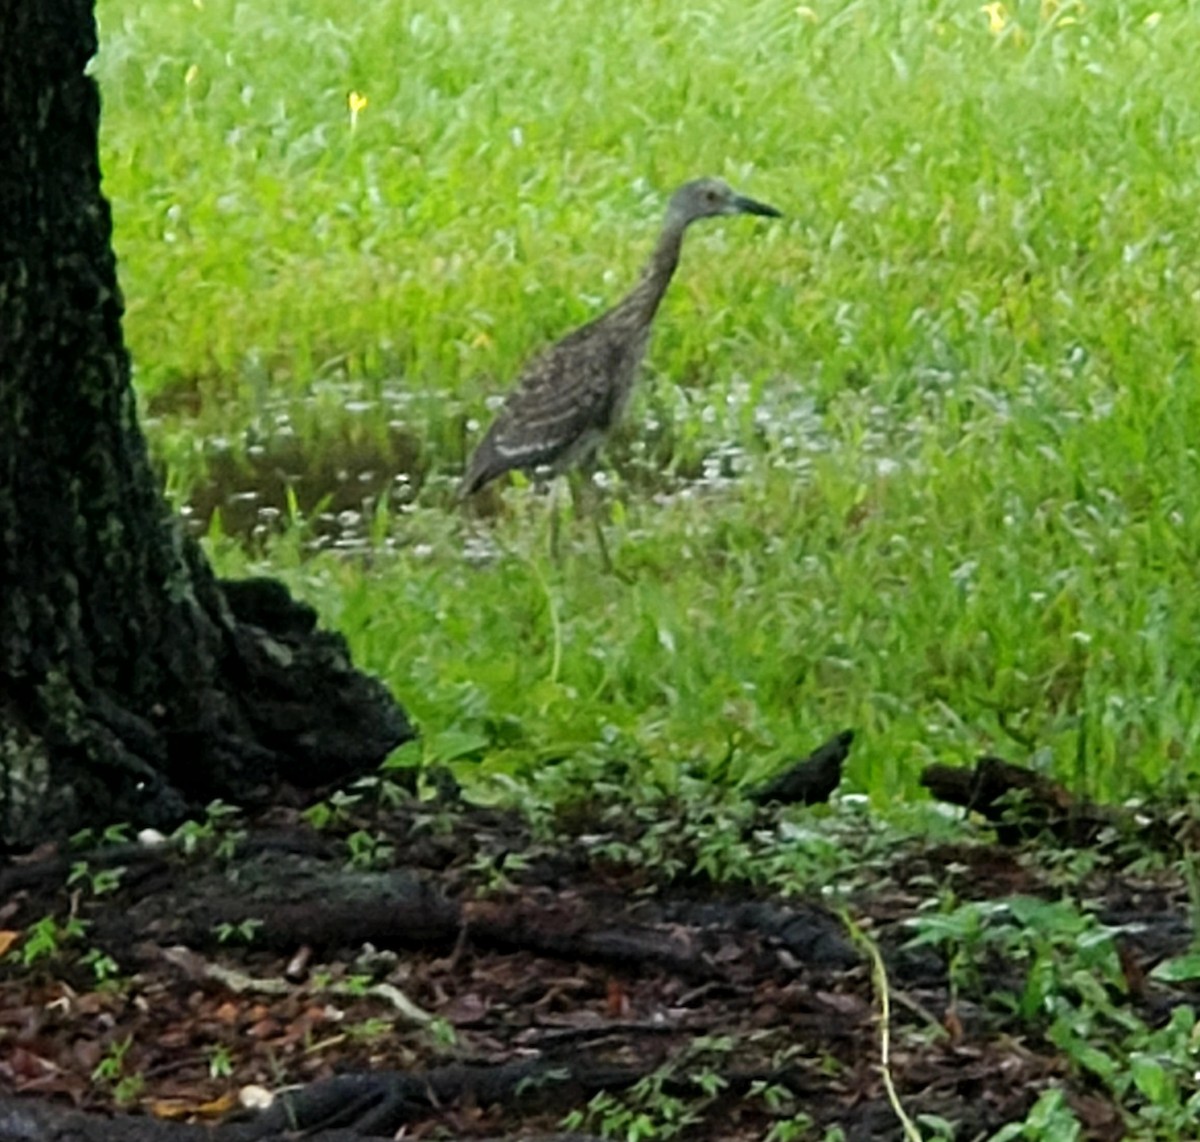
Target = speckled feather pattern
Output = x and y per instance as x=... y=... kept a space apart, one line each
x=570 y=395
x=566 y=400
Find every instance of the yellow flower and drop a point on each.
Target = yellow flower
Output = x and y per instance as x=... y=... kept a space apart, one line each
x=1055 y=12
x=997 y=16
x=356 y=102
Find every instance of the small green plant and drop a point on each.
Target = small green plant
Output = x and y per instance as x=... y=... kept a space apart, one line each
x=774 y=1097
x=369 y=850
x=333 y=812
x=367 y=1029
x=242 y=932
x=1149 y=1071
x=220 y=1061
x=647 y=1110
x=645 y=1113
x=1068 y=988
x=1055 y=944
x=117 y=834
x=794 y=1129
x=386 y=791
x=1050 y=1120
x=442 y=1032
x=357 y=984
x=967 y=933
x=216 y=827
x=47 y=938
x=494 y=872
x=100 y=882
x=112 y=1072
x=128 y=1089
x=933 y=1126
x=103 y=966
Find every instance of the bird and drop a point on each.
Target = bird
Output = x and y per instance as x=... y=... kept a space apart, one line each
x=570 y=395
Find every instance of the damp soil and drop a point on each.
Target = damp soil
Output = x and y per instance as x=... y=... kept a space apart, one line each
x=433 y=969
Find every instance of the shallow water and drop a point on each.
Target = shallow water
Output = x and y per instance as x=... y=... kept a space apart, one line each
x=335 y=457
x=331 y=457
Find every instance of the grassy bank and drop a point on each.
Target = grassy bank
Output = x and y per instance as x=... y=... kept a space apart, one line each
x=919 y=459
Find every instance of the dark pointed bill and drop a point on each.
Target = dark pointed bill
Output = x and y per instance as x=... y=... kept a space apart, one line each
x=751 y=206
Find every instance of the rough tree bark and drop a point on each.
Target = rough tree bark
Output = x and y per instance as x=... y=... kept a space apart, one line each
x=133 y=684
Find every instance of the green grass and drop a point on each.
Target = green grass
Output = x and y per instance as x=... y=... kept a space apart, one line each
x=954 y=389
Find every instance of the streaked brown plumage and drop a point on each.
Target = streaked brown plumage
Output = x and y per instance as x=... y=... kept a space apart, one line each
x=571 y=394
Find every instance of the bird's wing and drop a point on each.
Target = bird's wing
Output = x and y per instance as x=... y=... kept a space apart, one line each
x=564 y=394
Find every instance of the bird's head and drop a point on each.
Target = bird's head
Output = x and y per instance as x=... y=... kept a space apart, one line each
x=707 y=197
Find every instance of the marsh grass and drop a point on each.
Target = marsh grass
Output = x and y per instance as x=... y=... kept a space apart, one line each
x=919 y=459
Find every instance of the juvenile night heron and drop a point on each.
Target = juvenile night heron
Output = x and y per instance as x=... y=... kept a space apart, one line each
x=571 y=394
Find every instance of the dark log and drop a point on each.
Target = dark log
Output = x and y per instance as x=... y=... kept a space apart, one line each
x=1019 y=801
x=812 y=780
x=33 y=1120
x=382 y=1102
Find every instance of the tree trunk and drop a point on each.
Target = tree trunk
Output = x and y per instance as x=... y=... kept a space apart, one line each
x=134 y=685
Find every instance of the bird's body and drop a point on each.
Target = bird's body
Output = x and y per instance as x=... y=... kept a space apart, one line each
x=570 y=395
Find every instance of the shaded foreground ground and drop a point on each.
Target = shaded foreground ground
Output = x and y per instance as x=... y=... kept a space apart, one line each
x=516 y=975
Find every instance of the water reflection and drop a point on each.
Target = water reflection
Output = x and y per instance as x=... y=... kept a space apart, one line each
x=347 y=465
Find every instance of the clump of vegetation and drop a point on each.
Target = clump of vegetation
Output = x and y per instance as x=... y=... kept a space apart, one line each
x=916 y=460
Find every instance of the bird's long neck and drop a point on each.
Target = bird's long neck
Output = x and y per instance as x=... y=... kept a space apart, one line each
x=642 y=301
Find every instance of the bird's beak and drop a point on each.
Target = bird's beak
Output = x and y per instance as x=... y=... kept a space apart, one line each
x=750 y=206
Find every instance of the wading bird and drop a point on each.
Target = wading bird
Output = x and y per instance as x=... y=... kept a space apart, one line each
x=569 y=397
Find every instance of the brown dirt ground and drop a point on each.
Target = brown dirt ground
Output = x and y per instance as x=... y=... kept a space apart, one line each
x=715 y=1010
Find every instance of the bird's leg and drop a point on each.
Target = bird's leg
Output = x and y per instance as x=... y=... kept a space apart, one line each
x=584 y=490
x=554 y=520
x=602 y=543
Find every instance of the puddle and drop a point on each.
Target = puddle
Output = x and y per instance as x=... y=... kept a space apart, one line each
x=337 y=486
x=336 y=456
x=331 y=457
